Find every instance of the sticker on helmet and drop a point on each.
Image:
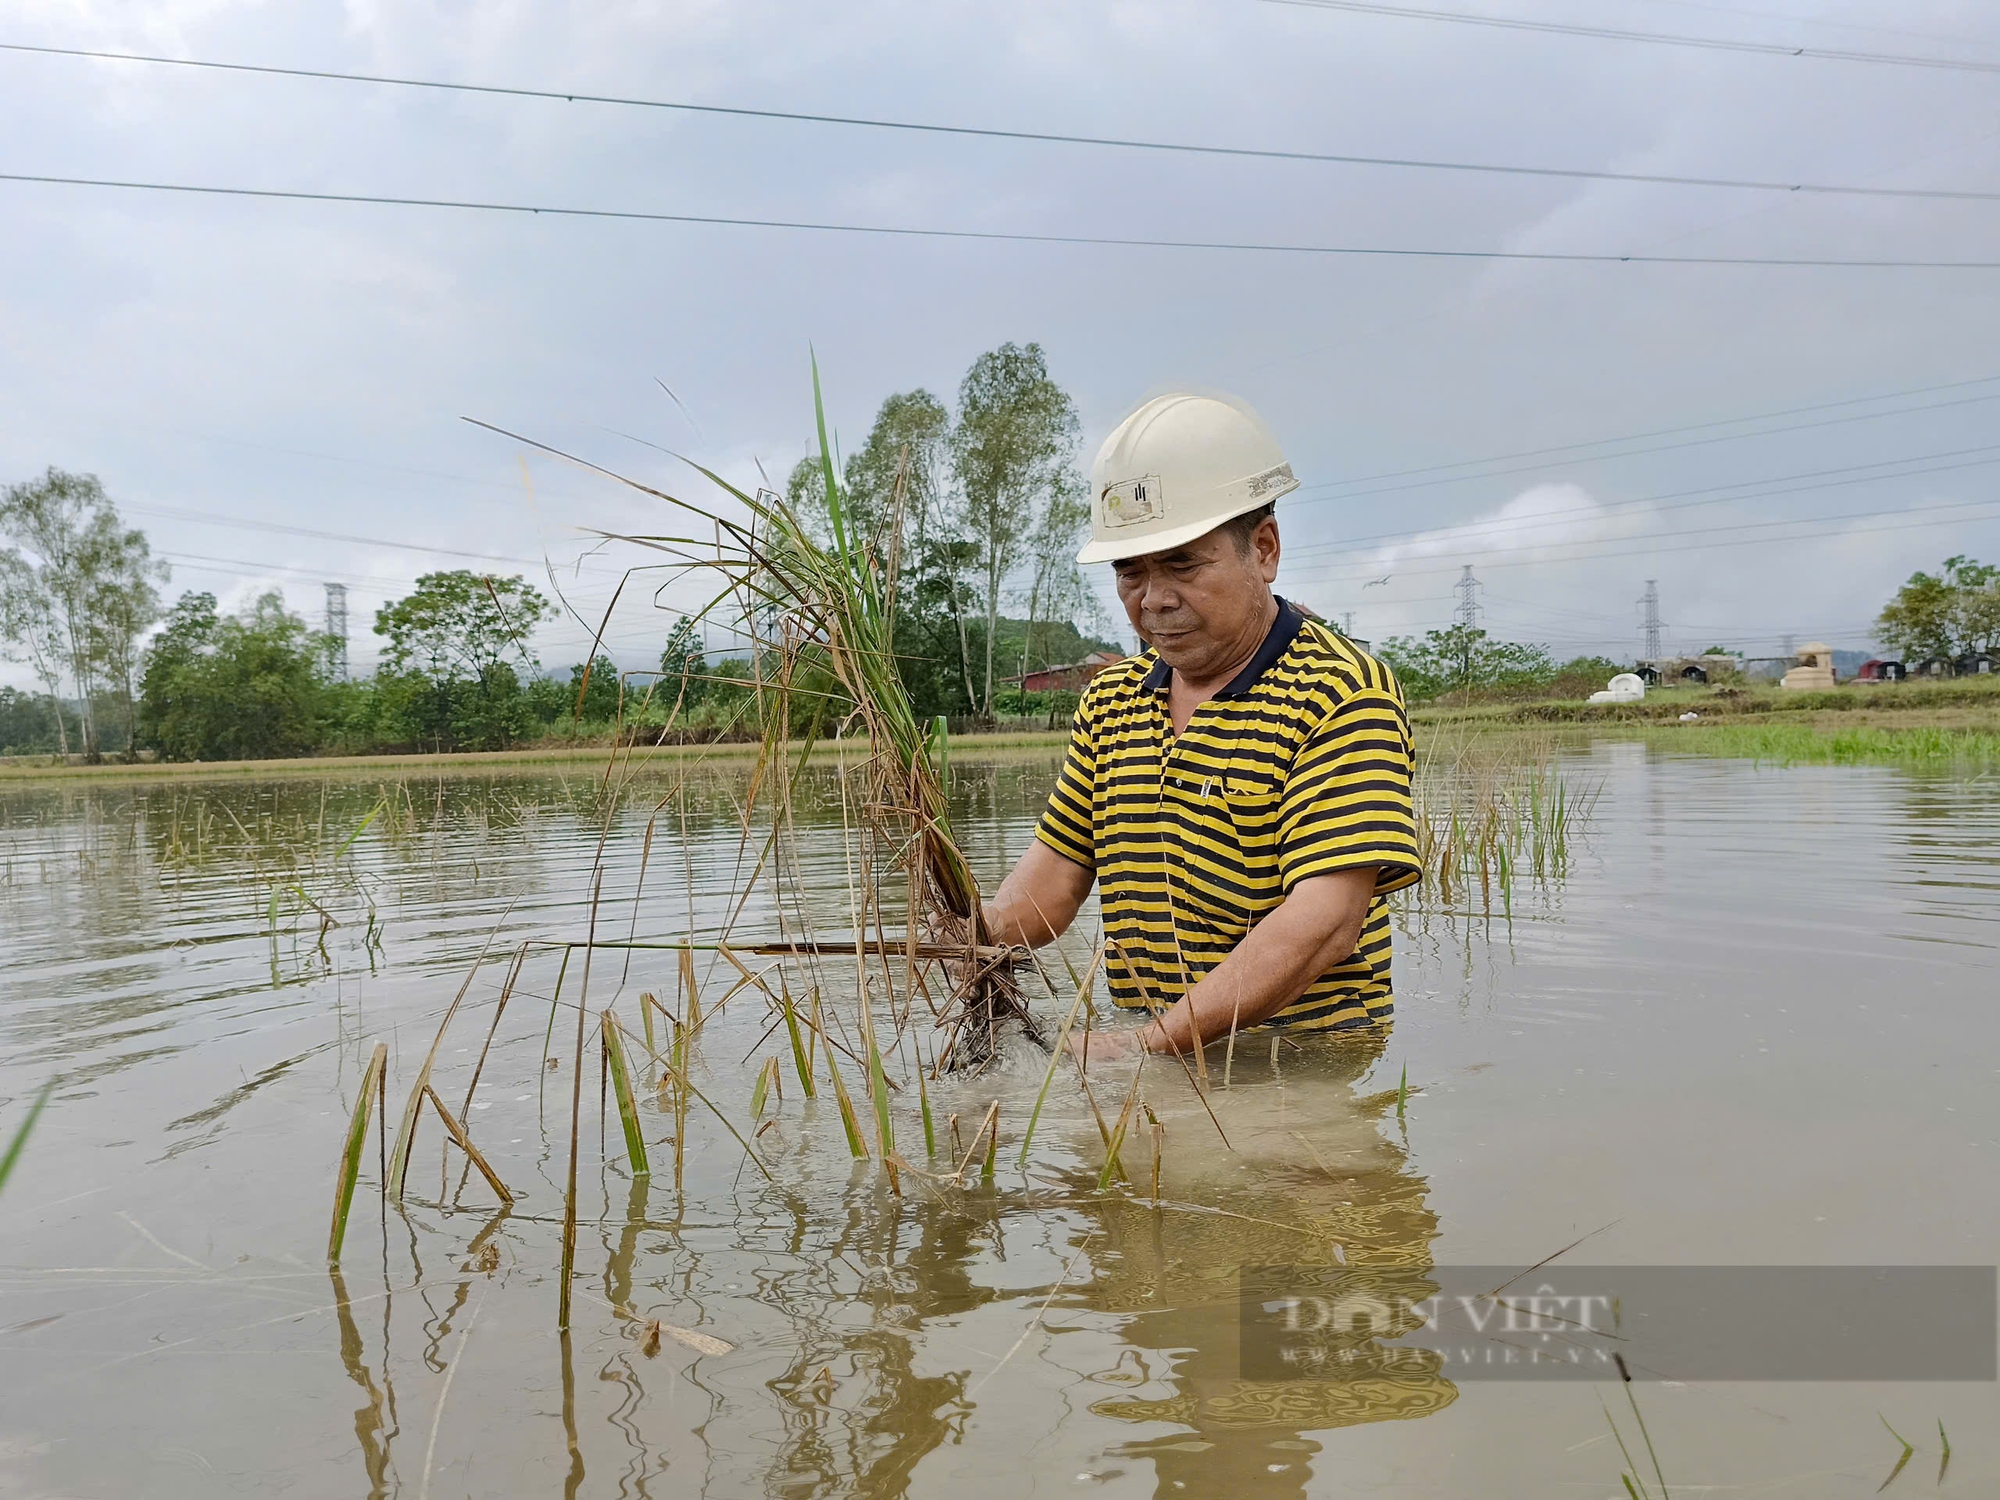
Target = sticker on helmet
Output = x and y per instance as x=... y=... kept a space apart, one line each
x=1279 y=480
x=1131 y=502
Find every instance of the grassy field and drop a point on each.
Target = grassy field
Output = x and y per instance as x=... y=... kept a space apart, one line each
x=1933 y=723
x=1940 y=723
x=1825 y=743
x=33 y=768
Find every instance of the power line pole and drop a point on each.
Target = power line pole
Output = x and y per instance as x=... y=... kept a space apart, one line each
x=1347 y=624
x=1651 y=600
x=336 y=629
x=1468 y=589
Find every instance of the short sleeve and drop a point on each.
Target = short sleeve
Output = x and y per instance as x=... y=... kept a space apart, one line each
x=1346 y=802
x=1067 y=824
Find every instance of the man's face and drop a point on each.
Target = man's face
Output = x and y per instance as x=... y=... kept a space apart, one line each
x=1202 y=605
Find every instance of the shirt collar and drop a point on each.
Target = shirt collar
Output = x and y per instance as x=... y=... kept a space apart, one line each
x=1277 y=641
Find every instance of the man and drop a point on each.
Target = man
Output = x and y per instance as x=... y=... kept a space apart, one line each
x=1241 y=789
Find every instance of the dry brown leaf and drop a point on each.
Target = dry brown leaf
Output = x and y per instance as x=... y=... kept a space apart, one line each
x=701 y=1343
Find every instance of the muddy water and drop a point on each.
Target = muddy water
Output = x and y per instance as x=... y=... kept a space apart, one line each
x=1754 y=1025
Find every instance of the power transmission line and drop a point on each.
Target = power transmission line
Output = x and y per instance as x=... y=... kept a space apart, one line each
x=211 y=518
x=1658 y=38
x=994 y=236
x=1747 y=489
x=1750 y=541
x=1591 y=458
x=1189 y=148
x=1578 y=551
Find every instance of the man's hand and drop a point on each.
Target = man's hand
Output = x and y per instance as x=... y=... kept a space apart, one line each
x=1105 y=1046
x=1312 y=929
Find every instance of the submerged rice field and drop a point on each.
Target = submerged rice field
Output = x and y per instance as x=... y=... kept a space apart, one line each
x=1690 y=1011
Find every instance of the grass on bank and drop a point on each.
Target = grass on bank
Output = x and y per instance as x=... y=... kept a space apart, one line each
x=44 y=768
x=1946 y=699
x=1810 y=744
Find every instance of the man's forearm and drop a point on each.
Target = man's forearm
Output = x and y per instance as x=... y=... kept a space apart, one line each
x=1038 y=901
x=1314 y=928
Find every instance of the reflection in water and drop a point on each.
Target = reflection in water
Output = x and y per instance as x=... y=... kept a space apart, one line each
x=858 y=1413
x=375 y=1419
x=1176 y=1276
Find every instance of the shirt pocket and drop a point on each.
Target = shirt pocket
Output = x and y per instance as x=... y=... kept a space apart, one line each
x=1226 y=877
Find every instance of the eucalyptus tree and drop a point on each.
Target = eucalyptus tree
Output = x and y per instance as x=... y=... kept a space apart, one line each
x=1014 y=454
x=76 y=592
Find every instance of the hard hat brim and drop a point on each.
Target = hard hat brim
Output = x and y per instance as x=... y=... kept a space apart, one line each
x=1119 y=549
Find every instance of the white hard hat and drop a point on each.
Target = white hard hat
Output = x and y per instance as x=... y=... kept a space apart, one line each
x=1176 y=469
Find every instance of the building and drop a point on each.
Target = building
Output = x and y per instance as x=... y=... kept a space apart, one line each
x=1876 y=670
x=1070 y=677
x=1710 y=667
x=1978 y=663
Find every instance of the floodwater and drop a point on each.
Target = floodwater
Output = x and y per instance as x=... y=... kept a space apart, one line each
x=1753 y=1025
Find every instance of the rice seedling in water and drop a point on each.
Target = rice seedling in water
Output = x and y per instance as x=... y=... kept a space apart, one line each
x=464 y=1141
x=924 y=1103
x=1159 y=1148
x=372 y=1093
x=849 y=1122
x=621 y=1088
x=799 y=1058
x=1900 y=1462
x=1629 y=1477
x=761 y=1089
x=1488 y=811
x=406 y=1132
x=992 y=1144
x=20 y=1141
x=1625 y=1375
x=1944 y=1459
x=1056 y=1052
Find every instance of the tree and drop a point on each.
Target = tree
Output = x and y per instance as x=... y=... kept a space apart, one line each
x=1058 y=591
x=1014 y=452
x=461 y=624
x=596 y=701
x=246 y=687
x=127 y=604
x=1946 y=614
x=189 y=631
x=912 y=439
x=681 y=667
x=446 y=670
x=29 y=722
x=76 y=591
x=1462 y=659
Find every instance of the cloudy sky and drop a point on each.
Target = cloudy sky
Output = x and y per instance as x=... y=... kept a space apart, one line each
x=274 y=388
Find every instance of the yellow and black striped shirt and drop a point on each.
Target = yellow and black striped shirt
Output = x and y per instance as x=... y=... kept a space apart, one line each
x=1300 y=767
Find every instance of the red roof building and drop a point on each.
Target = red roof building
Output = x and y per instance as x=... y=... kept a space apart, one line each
x=1070 y=677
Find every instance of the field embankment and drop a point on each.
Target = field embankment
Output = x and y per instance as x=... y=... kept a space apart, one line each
x=45 y=767
x=1955 y=721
